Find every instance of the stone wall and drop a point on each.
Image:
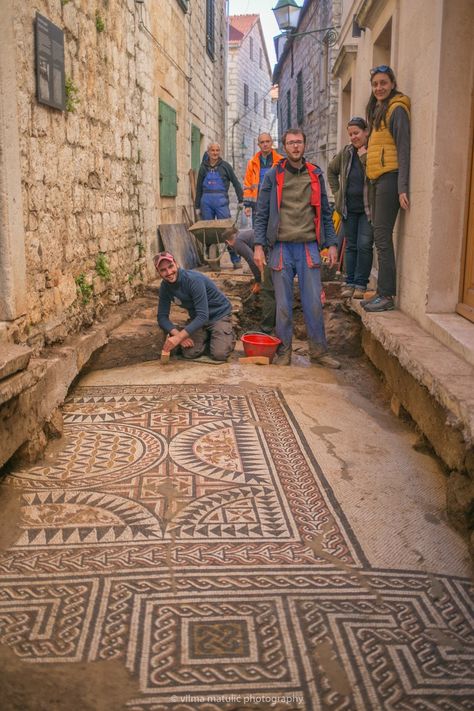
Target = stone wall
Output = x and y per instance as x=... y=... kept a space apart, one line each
x=90 y=176
x=313 y=57
x=246 y=122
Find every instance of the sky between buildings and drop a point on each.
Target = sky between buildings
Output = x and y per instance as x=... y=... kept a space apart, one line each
x=267 y=18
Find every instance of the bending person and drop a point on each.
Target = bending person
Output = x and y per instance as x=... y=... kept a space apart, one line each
x=210 y=321
x=388 y=168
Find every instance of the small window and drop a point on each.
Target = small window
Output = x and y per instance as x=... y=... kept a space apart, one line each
x=246 y=94
x=168 y=130
x=299 y=99
x=288 y=108
x=196 y=139
x=264 y=108
x=251 y=48
x=210 y=28
x=255 y=101
x=260 y=58
x=184 y=4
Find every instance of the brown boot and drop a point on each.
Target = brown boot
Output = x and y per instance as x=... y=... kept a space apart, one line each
x=326 y=361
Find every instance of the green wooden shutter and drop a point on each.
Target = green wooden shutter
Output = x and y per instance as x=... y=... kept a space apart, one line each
x=210 y=28
x=195 y=148
x=168 y=163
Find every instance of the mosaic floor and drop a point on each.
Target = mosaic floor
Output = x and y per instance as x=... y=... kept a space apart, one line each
x=188 y=532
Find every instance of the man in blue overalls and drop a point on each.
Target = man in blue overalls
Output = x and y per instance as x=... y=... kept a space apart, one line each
x=212 y=189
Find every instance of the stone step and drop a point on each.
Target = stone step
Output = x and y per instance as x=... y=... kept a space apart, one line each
x=13 y=358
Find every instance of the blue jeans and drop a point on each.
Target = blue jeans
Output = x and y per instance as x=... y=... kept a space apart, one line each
x=286 y=260
x=359 y=249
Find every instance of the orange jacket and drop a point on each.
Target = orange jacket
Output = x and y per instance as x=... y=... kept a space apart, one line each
x=252 y=176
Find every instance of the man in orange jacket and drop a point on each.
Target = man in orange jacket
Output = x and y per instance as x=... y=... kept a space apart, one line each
x=257 y=167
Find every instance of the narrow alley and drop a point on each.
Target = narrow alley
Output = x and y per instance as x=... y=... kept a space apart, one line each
x=233 y=536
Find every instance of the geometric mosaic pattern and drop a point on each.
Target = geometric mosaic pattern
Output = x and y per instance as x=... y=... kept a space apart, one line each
x=188 y=532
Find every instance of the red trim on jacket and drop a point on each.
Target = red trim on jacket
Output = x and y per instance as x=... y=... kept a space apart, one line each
x=315 y=192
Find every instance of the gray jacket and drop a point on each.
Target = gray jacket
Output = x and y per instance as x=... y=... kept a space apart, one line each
x=338 y=171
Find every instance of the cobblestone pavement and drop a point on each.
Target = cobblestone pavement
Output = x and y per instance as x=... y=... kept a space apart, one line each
x=230 y=537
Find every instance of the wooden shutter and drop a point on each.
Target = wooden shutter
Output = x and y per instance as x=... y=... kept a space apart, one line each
x=210 y=28
x=195 y=148
x=168 y=164
x=299 y=99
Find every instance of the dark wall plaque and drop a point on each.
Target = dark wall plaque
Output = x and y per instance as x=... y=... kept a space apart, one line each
x=50 y=79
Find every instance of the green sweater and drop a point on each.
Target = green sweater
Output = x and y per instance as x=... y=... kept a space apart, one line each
x=296 y=212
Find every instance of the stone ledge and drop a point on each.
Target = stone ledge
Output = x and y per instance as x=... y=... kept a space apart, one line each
x=448 y=378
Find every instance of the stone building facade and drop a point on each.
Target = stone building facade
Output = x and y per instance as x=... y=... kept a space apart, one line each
x=81 y=190
x=308 y=94
x=251 y=106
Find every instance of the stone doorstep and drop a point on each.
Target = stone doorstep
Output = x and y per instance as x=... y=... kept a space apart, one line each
x=13 y=358
x=448 y=378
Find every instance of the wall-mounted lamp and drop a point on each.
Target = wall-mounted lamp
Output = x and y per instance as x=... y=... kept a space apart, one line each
x=287 y=15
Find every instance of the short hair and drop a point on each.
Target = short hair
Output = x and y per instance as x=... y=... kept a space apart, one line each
x=293 y=131
x=230 y=233
x=358 y=121
x=264 y=133
x=213 y=143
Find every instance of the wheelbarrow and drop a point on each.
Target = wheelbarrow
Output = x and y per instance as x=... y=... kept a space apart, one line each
x=209 y=233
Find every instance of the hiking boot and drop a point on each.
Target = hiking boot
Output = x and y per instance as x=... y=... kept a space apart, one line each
x=347 y=292
x=381 y=303
x=369 y=299
x=358 y=293
x=325 y=360
x=283 y=358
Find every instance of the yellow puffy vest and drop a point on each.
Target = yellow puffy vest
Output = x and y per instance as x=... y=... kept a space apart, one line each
x=381 y=150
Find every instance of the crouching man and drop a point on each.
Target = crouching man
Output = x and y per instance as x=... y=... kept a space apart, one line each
x=210 y=322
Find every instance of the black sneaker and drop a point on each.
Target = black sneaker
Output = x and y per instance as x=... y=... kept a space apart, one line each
x=381 y=303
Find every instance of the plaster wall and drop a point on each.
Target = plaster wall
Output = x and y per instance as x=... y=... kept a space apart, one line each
x=427 y=49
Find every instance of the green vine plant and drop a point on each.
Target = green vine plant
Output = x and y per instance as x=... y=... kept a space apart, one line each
x=83 y=288
x=101 y=266
x=99 y=22
x=141 y=249
x=64 y=2
x=72 y=92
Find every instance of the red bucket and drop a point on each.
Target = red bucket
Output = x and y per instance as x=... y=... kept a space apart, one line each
x=259 y=344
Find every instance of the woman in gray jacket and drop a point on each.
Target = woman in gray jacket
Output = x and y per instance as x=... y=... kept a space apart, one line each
x=346 y=176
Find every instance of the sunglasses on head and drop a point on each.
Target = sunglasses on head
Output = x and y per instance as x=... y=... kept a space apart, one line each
x=383 y=68
x=357 y=121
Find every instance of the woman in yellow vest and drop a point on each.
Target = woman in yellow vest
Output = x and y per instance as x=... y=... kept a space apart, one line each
x=387 y=168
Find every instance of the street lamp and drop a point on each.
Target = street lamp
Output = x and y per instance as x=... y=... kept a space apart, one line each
x=287 y=15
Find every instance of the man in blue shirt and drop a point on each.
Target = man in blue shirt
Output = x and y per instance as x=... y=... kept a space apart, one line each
x=210 y=320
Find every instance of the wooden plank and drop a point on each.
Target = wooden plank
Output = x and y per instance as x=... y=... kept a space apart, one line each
x=182 y=245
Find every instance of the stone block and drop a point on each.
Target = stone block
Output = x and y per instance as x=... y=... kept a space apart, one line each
x=30 y=451
x=13 y=358
x=460 y=502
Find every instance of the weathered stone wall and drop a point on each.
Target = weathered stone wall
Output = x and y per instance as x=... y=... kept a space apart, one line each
x=314 y=59
x=244 y=122
x=90 y=177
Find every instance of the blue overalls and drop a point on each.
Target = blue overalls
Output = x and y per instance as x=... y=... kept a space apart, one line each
x=215 y=203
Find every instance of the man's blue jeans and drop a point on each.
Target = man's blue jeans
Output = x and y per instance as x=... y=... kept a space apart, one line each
x=286 y=260
x=359 y=249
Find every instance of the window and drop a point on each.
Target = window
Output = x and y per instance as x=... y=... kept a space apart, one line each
x=255 y=101
x=196 y=137
x=260 y=58
x=246 y=94
x=288 y=108
x=251 y=48
x=264 y=108
x=168 y=129
x=210 y=28
x=299 y=99
x=184 y=4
